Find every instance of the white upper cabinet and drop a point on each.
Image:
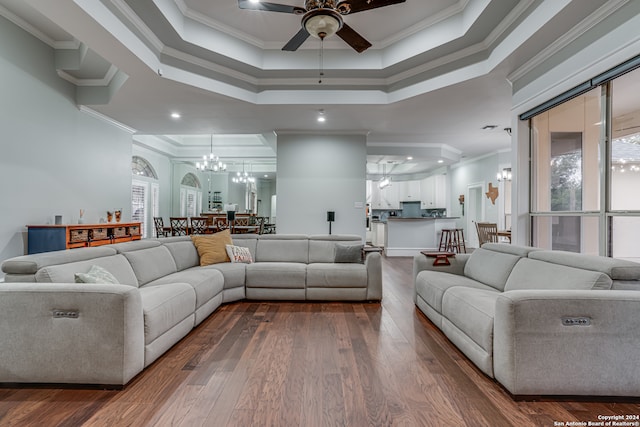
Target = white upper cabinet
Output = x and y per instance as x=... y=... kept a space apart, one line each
x=433 y=192
x=386 y=198
x=409 y=191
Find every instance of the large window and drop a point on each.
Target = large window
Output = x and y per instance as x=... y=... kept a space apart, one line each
x=190 y=196
x=145 y=194
x=585 y=173
x=566 y=165
x=624 y=167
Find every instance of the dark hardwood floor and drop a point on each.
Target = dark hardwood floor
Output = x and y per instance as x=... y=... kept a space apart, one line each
x=307 y=364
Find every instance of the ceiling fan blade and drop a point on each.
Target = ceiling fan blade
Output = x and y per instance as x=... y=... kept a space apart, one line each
x=353 y=39
x=297 y=40
x=270 y=7
x=354 y=6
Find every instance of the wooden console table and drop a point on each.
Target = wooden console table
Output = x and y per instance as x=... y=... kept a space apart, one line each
x=46 y=238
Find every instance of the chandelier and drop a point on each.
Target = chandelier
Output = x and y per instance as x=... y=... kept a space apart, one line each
x=243 y=177
x=211 y=162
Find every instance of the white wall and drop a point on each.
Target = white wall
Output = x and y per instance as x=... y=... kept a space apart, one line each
x=482 y=170
x=54 y=158
x=320 y=173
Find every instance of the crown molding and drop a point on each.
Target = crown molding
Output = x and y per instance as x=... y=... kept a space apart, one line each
x=106 y=119
x=567 y=38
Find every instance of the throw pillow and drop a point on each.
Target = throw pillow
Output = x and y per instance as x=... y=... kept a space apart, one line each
x=348 y=253
x=239 y=254
x=212 y=247
x=96 y=274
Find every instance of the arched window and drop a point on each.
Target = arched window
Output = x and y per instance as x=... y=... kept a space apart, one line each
x=190 y=180
x=190 y=195
x=145 y=194
x=141 y=167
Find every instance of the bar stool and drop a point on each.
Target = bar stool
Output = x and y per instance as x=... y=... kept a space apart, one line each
x=452 y=240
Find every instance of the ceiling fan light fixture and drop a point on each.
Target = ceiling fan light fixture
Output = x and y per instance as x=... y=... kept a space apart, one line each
x=322 y=23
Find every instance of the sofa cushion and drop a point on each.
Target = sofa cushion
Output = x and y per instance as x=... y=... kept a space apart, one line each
x=96 y=274
x=212 y=247
x=534 y=274
x=135 y=245
x=508 y=248
x=117 y=265
x=184 y=253
x=151 y=264
x=249 y=241
x=234 y=273
x=206 y=283
x=325 y=275
x=30 y=264
x=431 y=286
x=617 y=269
x=164 y=307
x=490 y=267
x=279 y=275
x=472 y=312
x=282 y=248
x=322 y=247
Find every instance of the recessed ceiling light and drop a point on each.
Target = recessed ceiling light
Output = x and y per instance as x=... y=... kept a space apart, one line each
x=266 y=176
x=409 y=158
x=440 y=161
x=175 y=115
x=321 y=116
x=254 y=1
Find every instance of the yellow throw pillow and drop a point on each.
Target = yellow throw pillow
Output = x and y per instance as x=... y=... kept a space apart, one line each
x=212 y=248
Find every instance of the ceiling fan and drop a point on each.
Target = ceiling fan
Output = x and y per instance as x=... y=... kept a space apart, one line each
x=323 y=18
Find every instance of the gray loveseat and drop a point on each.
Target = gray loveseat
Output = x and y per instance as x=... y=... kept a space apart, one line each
x=540 y=322
x=53 y=330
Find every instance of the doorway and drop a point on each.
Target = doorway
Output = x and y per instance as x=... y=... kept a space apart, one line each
x=475 y=211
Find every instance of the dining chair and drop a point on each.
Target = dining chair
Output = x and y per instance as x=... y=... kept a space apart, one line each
x=487 y=232
x=199 y=225
x=222 y=224
x=158 y=223
x=179 y=226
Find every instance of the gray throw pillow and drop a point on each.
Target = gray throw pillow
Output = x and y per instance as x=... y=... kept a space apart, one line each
x=348 y=253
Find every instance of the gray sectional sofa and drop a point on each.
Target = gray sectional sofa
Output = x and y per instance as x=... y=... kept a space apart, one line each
x=540 y=322
x=53 y=330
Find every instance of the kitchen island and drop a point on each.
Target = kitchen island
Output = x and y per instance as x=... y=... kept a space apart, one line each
x=409 y=236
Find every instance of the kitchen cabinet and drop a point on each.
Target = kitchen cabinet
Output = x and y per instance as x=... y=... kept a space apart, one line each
x=409 y=191
x=433 y=192
x=377 y=233
x=385 y=198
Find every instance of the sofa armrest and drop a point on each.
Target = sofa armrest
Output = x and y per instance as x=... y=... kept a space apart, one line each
x=70 y=333
x=373 y=263
x=422 y=262
x=568 y=342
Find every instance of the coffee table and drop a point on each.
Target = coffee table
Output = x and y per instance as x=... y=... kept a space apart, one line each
x=441 y=258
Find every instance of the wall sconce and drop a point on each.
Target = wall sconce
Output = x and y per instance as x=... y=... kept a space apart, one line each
x=461 y=201
x=505 y=175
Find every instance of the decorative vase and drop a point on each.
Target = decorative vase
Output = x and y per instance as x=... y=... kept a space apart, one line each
x=109 y=216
